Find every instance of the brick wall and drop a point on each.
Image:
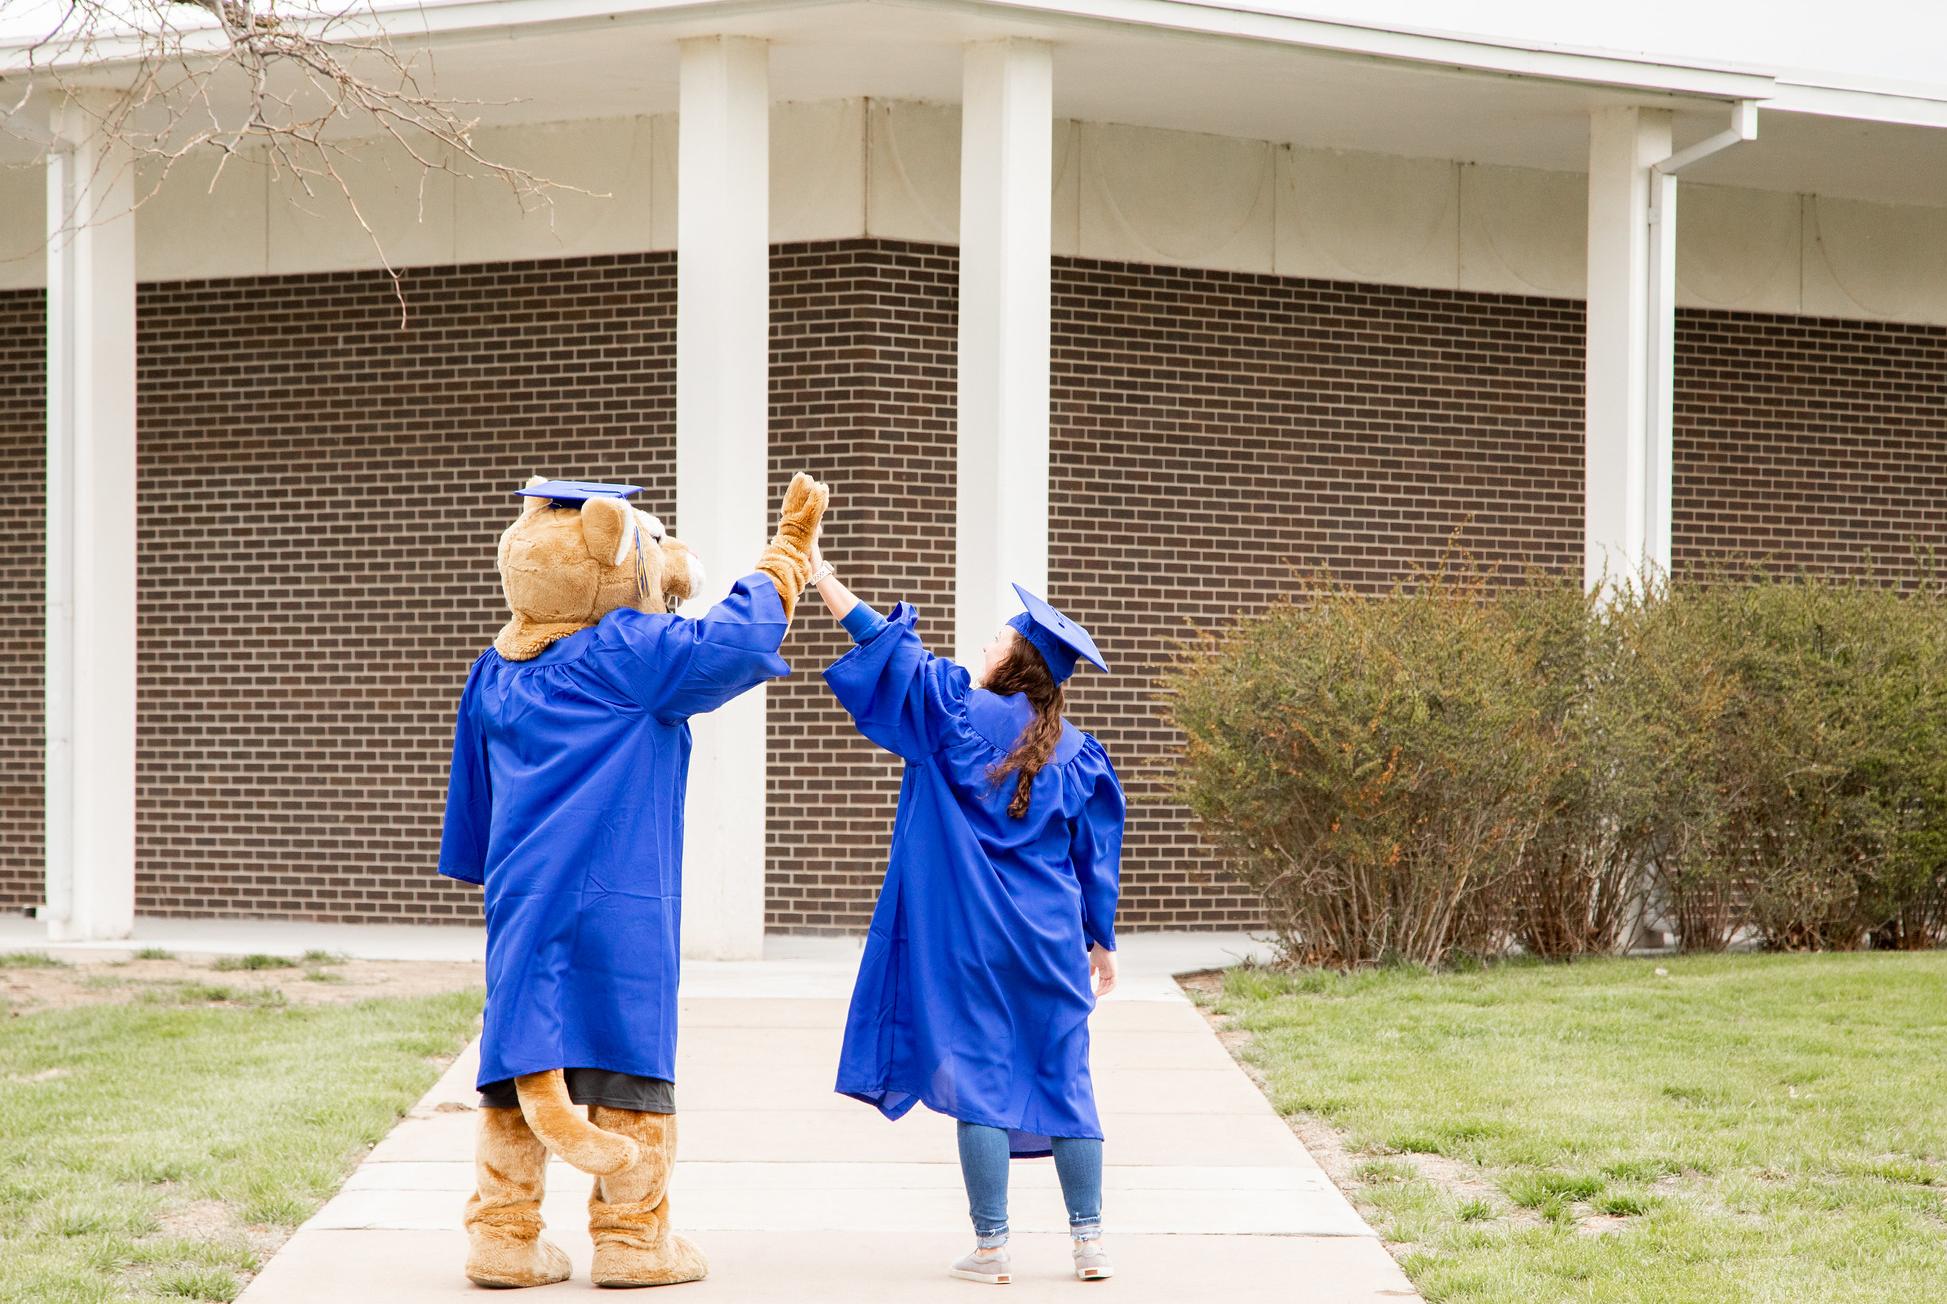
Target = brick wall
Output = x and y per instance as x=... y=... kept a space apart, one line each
x=862 y=368
x=23 y=582
x=1809 y=444
x=321 y=491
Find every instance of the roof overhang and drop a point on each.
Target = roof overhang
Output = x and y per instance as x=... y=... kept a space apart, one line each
x=1234 y=70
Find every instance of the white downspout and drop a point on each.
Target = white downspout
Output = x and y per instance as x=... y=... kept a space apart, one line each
x=1662 y=324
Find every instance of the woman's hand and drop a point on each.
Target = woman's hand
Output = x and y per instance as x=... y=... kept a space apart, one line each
x=838 y=598
x=1101 y=968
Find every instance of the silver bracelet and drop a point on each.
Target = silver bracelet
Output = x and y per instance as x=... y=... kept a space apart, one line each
x=820 y=575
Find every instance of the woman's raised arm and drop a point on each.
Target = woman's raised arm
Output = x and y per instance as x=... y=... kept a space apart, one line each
x=839 y=600
x=860 y=620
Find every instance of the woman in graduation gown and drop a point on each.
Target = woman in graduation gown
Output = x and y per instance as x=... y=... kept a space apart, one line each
x=973 y=995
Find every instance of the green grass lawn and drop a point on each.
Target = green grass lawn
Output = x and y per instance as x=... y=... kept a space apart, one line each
x=150 y=1148
x=1748 y=1128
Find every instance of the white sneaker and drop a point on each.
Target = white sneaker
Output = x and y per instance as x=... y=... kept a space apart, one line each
x=989 y=1268
x=1092 y=1261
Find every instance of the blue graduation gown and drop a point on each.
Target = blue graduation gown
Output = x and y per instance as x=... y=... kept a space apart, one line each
x=566 y=802
x=973 y=993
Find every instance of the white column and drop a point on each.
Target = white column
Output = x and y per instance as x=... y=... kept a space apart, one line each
x=722 y=457
x=1001 y=500
x=1659 y=361
x=90 y=781
x=1624 y=485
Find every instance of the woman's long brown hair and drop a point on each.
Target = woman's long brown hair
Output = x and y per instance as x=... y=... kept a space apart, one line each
x=1023 y=671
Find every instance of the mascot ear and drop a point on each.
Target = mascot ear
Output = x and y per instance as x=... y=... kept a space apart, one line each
x=682 y=573
x=529 y=506
x=608 y=529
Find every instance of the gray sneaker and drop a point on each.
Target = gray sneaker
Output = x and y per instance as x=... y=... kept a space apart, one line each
x=989 y=1268
x=1092 y=1261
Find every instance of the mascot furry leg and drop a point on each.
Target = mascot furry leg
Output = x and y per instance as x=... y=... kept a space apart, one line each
x=631 y=1155
x=503 y=1216
x=628 y=1212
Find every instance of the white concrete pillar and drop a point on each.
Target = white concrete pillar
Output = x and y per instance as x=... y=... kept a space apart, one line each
x=1006 y=156
x=723 y=299
x=1625 y=494
x=90 y=686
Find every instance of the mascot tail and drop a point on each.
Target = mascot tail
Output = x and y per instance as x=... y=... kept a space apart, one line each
x=566 y=1131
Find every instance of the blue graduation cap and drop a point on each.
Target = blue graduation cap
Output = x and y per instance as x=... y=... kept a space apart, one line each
x=573 y=493
x=1059 y=640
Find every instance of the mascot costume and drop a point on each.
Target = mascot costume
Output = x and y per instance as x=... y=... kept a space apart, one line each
x=570 y=756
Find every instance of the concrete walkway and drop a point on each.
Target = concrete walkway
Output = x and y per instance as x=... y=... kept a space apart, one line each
x=800 y=1195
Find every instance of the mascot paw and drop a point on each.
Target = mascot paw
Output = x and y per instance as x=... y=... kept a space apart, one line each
x=506 y=1263
x=804 y=506
x=675 y=1260
x=788 y=560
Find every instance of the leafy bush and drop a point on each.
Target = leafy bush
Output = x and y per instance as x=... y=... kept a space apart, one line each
x=1579 y=887
x=1377 y=764
x=1830 y=761
x=1456 y=766
x=1674 y=687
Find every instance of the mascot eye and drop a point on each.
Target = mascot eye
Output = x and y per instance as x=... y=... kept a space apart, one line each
x=653 y=525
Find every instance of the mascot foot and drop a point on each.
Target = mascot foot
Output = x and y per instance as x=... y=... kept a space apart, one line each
x=503 y=1216
x=506 y=1264
x=628 y=1212
x=674 y=1260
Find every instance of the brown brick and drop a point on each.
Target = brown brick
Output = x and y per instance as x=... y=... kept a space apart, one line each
x=1213 y=435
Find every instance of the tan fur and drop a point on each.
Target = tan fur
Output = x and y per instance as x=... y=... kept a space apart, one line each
x=788 y=558
x=562 y=1128
x=503 y=1216
x=680 y=571
x=559 y=571
x=604 y=522
x=628 y=1212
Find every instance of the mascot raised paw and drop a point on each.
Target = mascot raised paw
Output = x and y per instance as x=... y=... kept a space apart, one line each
x=570 y=758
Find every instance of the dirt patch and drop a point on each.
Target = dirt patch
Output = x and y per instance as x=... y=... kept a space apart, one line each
x=1464 y=1180
x=1204 y=986
x=88 y=978
x=215 y=1221
x=212 y=1222
x=45 y=1075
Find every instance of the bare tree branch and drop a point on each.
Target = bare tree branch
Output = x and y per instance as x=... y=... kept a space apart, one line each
x=292 y=85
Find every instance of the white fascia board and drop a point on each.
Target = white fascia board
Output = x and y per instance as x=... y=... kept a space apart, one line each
x=1460 y=53
x=1856 y=103
x=407 y=24
x=1790 y=91
x=489 y=18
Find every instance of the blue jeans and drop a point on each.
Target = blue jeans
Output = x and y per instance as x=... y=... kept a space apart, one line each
x=983 y=1163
